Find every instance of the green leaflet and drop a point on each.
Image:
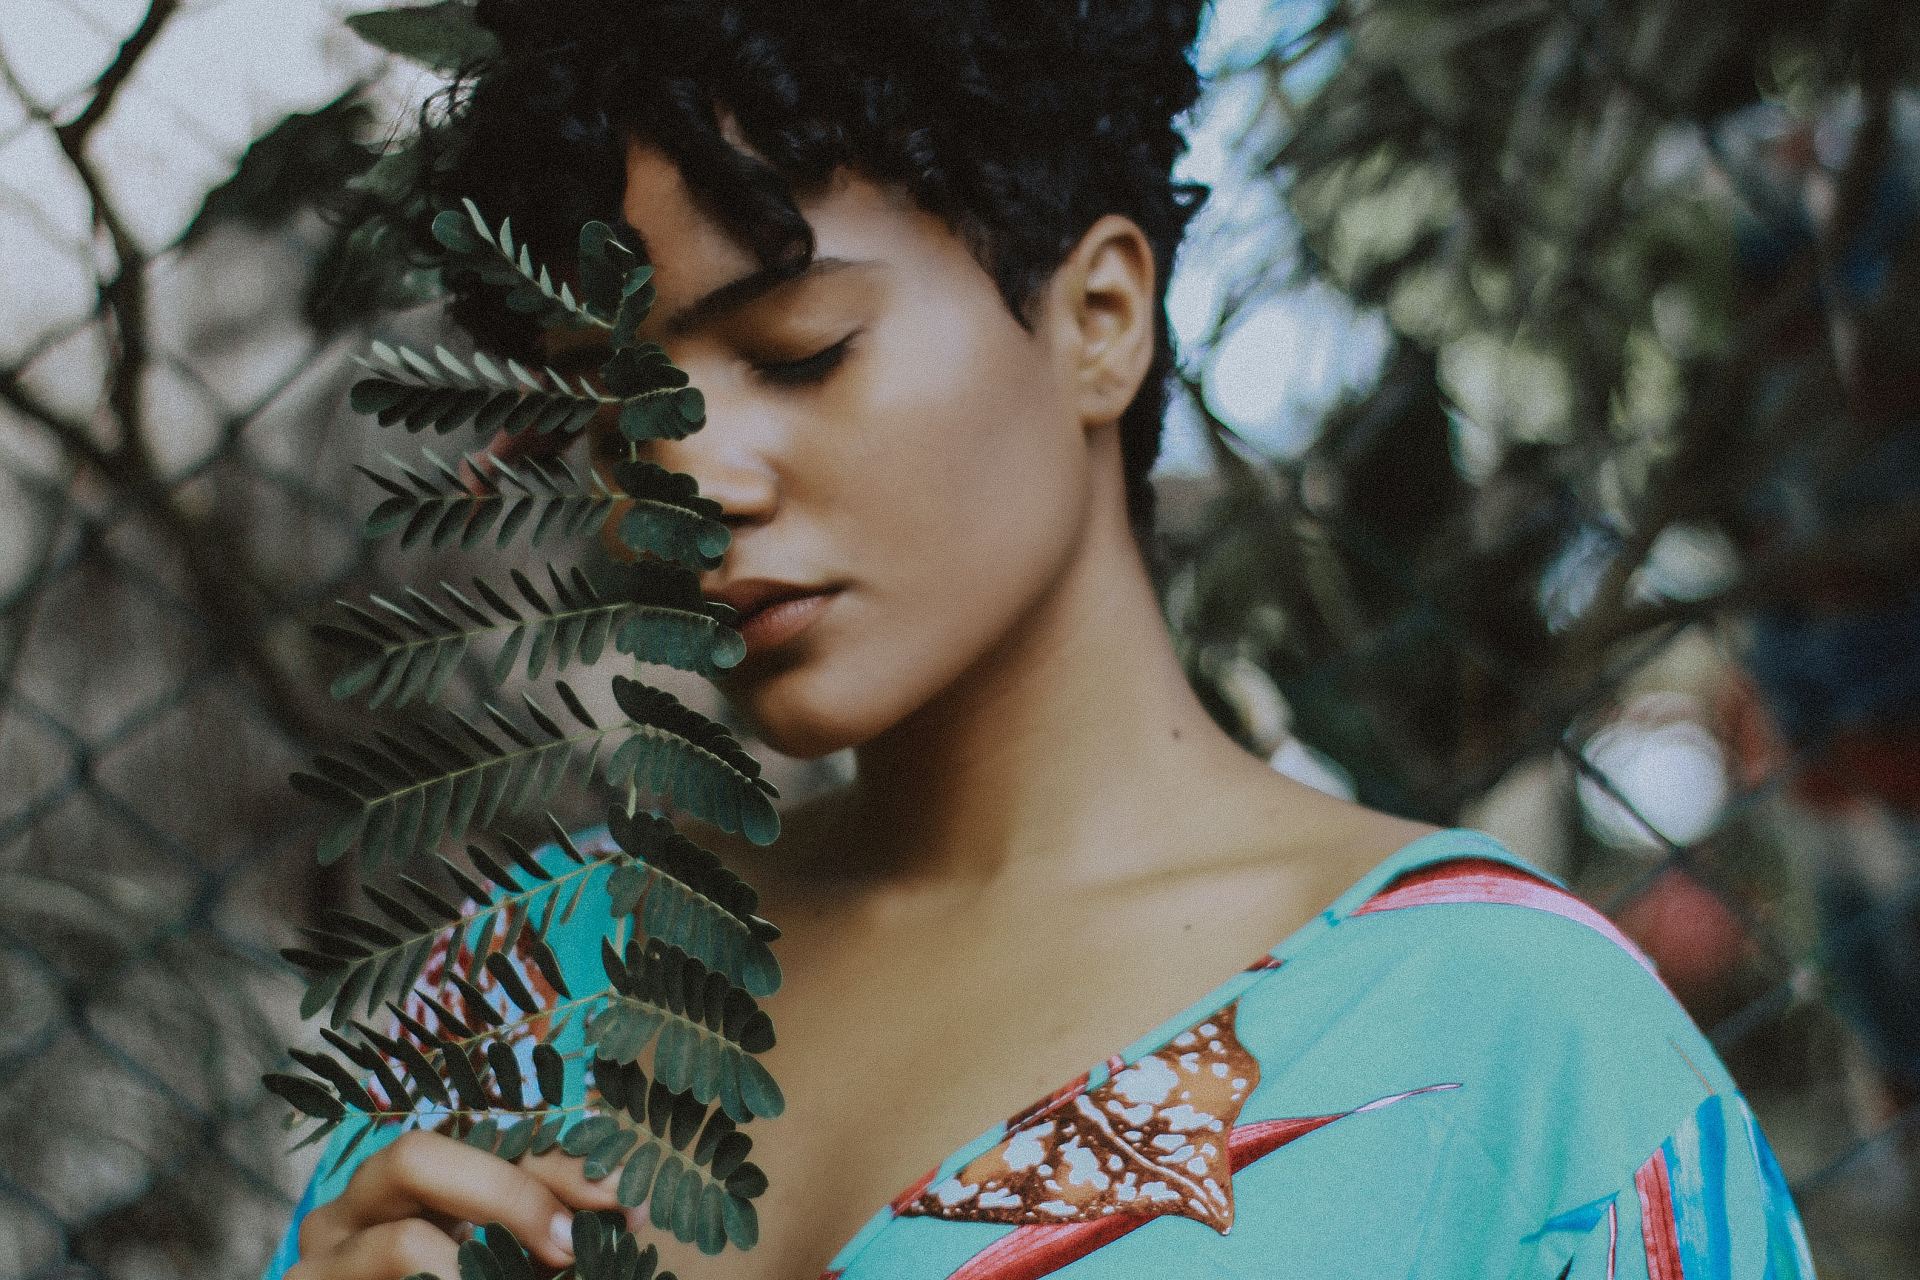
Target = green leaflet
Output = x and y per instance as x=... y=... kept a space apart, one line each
x=704 y=1030
x=442 y=36
x=668 y=518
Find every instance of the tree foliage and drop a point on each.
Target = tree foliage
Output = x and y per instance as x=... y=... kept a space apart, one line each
x=1640 y=270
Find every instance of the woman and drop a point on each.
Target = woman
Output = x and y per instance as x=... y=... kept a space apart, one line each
x=1074 y=982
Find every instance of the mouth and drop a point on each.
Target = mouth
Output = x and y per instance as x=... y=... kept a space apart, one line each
x=779 y=617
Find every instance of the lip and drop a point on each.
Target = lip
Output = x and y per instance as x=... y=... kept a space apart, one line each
x=773 y=613
x=747 y=594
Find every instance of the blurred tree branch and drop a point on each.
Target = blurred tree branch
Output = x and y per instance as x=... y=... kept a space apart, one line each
x=239 y=606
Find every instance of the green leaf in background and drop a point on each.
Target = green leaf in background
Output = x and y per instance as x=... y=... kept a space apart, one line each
x=295 y=165
x=442 y=37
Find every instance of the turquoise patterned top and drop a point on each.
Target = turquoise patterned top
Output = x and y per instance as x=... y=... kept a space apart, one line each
x=1459 y=1069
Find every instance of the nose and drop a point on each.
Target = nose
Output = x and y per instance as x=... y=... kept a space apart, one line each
x=730 y=463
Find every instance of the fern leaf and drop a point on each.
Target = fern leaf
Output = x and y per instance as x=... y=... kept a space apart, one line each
x=672 y=1146
x=390 y=963
x=704 y=1029
x=684 y=992
x=407 y=389
x=399 y=796
x=492 y=254
x=656 y=614
x=687 y=759
x=447 y=508
x=669 y=518
x=665 y=516
x=665 y=413
x=690 y=898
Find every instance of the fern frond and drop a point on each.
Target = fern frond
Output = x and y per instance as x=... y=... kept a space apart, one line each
x=687 y=896
x=370 y=958
x=401 y=794
x=692 y=761
x=459 y=1085
x=496 y=1051
x=686 y=1162
x=662 y=413
x=538 y=496
x=685 y=1158
x=500 y=262
x=410 y=390
x=657 y=614
x=669 y=518
x=707 y=1028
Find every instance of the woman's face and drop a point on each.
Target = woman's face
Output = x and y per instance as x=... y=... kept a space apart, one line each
x=881 y=428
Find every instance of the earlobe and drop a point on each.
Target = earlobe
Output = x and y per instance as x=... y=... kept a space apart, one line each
x=1111 y=279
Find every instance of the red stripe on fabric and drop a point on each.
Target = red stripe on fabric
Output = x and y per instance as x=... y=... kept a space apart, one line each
x=1248 y=1142
x=1656 y=1219
x=1613 y=1237
x=1030 y=1252
x=1485 y=880
x=900 y=1202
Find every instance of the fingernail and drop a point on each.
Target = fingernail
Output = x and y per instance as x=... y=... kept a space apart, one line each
x=562 y=1233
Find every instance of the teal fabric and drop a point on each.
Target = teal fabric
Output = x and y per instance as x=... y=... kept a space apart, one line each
x=1456 y=1070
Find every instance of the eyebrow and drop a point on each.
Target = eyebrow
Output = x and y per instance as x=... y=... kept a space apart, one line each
x=736 y=294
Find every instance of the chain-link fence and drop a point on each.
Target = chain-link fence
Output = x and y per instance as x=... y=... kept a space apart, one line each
x=1697 y=737
x=175 y=501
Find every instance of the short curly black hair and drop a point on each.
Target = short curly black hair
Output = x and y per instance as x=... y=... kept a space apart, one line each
x=1018 y=122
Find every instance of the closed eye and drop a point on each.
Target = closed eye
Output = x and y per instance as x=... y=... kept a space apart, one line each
x=812 y=369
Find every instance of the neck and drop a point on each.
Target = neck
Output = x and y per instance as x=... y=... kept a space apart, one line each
x=1060 y=756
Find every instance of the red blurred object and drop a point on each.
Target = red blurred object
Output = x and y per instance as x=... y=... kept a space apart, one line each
x=1864 y=764
x=1855 y=766
x=1693 y=936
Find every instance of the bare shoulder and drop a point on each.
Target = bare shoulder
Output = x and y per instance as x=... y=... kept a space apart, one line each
x=1298 y=842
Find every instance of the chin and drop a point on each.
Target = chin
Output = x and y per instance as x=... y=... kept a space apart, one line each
x=801 y=716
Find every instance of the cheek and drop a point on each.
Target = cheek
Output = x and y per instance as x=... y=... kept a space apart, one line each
x=991 y=469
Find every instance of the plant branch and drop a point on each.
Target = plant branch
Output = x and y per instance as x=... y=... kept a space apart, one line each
x=71 y=435
x=73 y=134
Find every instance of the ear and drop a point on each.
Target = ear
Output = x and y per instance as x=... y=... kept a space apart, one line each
x=1103 y=316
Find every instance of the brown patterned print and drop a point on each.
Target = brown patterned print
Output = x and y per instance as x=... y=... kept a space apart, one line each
x=522 y=1032
x=1150 y=1141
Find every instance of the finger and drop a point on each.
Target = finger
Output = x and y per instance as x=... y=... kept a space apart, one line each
x=386 y=1251
x=327 y=1225
x=323 y=1228
x=566 y=1177
x=422 y=1173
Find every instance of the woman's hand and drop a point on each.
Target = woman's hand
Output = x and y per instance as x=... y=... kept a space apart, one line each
x=409 y=1204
